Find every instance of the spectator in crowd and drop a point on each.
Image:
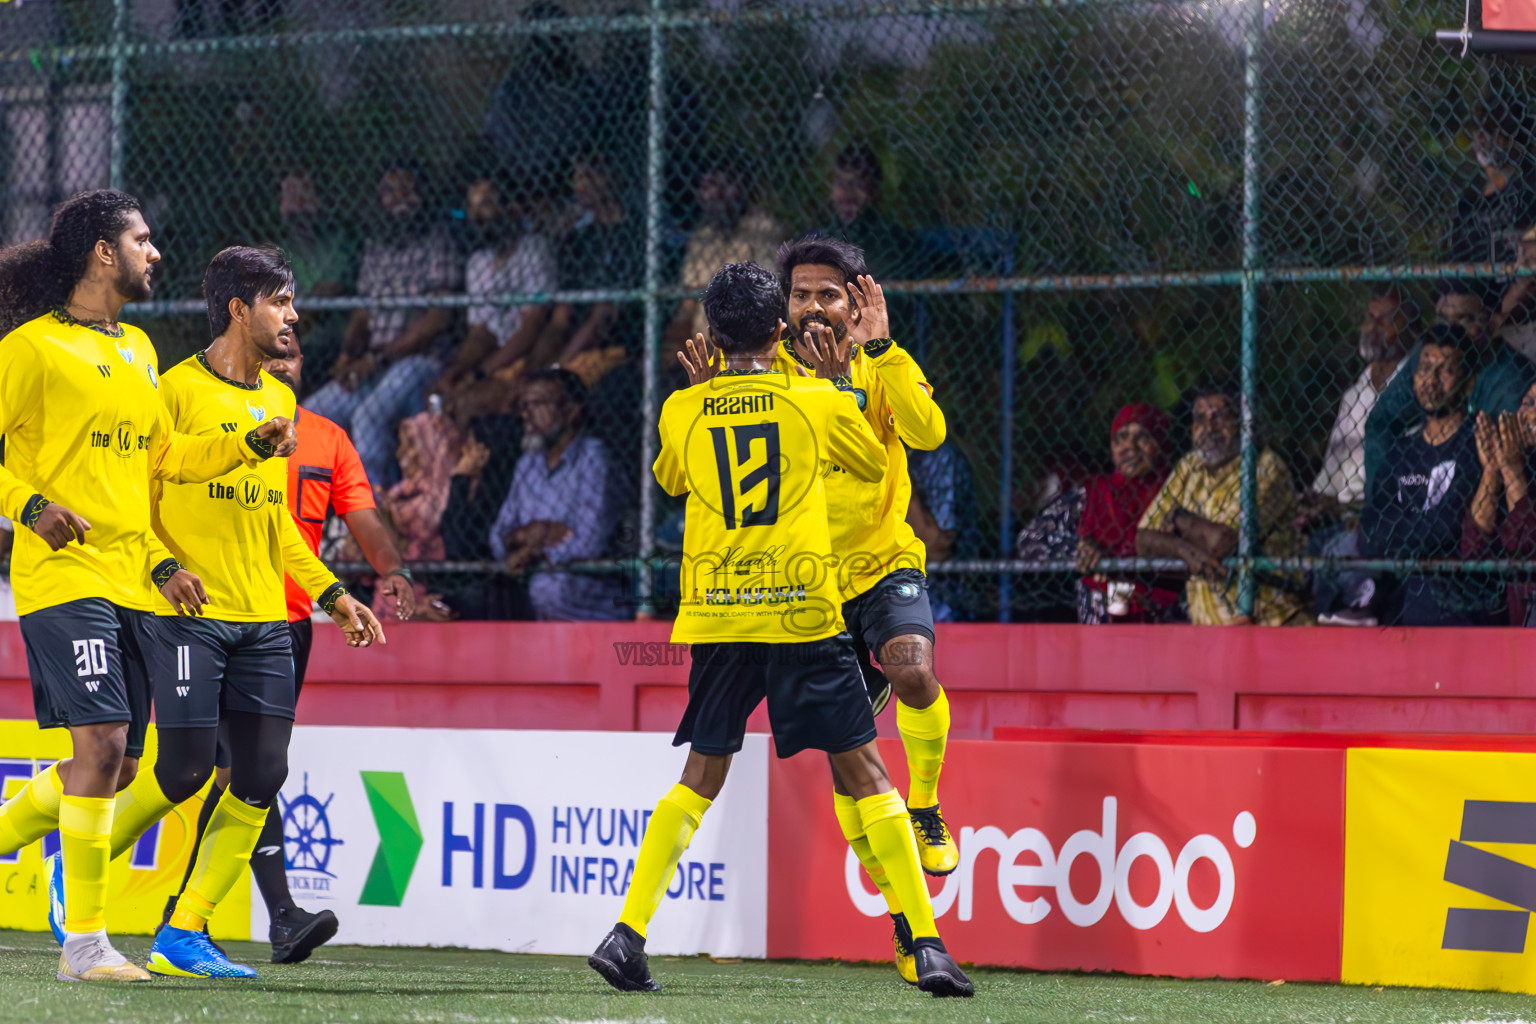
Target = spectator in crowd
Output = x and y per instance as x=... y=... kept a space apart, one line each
x=1488 y=217
x=1140 y=446
x=505 y=257
x=1196 y=514
x=1339 y=490
x=1515 y=320
x=855 y=194
x=602 y=248
x=942 y=512
x=549 y=106
x=1503 y=519
x=428 y=450
x=1416 y=507
x=390 y=353
x=1496 y=388
x=560 y=507
x=323 y=258
x=731 y=229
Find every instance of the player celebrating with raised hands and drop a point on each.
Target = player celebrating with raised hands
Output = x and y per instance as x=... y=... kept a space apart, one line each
x=839 y=328
x=85 y=433
x=762 y=609
x=234 y=661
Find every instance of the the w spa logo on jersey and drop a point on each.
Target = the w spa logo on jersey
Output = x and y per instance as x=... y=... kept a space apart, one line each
x=1440 y=869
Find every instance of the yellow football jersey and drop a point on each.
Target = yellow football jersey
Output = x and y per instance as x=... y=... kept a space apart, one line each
x=85 y=427
x=870 y=534
x=752 y=450
x=235 y=530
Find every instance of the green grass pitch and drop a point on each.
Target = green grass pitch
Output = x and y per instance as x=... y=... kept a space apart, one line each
x=353 y=983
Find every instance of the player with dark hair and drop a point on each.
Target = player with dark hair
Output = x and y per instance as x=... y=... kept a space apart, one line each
x=234 y=661
x=324 y=474
x=86 y=433
x=840 y=328
x=750 y=449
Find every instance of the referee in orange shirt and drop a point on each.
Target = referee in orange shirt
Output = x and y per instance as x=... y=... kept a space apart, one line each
x=325 y=473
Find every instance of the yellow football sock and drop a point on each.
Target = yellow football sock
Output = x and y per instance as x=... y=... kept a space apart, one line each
x=852 y=823
x=32 y=813
x=139 y=806
x=85 y=826
x=666 y=837
x=923 y=734
x=890 y=837
x=221 y=860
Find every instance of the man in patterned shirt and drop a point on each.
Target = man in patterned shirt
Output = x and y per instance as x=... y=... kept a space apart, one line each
x=1195 y=518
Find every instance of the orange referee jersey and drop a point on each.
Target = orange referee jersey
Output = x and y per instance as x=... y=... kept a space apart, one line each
x=324 y=473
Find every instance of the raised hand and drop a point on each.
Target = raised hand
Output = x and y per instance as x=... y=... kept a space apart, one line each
x=699 y=359
x=279 y=433
x=831 y=359
x=874 y=321
x=1490 y=443
x=1512 y=441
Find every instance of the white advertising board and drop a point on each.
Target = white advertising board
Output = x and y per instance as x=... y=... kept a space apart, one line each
x=517 y=841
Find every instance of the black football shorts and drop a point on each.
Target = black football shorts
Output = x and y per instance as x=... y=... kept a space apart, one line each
x=87 y=663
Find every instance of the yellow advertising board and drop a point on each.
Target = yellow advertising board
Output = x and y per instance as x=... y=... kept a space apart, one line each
x=142 y=879
x=1440 y=869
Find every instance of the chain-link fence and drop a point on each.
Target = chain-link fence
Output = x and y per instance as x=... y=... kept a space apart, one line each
x=1219 y=230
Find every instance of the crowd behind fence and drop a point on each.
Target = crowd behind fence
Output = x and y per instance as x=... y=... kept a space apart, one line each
x=1224 y=302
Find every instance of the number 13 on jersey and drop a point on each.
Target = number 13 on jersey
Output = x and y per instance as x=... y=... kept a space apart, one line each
x=754 y=463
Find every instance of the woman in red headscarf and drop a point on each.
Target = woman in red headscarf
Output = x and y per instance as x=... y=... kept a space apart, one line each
x=1140 y=448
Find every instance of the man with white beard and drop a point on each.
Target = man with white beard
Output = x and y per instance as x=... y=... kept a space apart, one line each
x=561 y=506
x=1339 y=490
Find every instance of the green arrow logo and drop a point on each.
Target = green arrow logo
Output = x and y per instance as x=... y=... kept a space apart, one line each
x=399 y=839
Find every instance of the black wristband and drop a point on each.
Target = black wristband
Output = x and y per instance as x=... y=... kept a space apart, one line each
x=843 y=383
x=260 y=445
x=162 y=573
x=876 y=348
x=333 y=593
x=403 y=573
x=33 y=509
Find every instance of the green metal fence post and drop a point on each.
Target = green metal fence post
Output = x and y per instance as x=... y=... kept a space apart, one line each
x=1248 y=523
x=656 y=125
x=119 y=93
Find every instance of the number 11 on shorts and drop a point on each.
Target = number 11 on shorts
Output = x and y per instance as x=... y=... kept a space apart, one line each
x=183 y=663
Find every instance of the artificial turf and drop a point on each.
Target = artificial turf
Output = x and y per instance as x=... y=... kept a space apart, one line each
x=360 y=984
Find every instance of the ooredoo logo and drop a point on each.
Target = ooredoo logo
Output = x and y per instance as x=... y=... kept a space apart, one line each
x=1049 y=874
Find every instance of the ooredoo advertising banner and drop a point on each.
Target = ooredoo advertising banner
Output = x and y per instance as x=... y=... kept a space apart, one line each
x=518 y=841
x=1177 y=860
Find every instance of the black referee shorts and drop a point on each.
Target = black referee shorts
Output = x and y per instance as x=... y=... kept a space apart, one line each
x=303 y=634
x=895 y=606
x=87 y=663
x=200 y=667
x=816 y=696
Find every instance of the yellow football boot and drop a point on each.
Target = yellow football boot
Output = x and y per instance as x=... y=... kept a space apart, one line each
x=936 y=848
x=906 y=959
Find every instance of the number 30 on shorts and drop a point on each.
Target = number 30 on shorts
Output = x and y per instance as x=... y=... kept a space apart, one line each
x=90 y=657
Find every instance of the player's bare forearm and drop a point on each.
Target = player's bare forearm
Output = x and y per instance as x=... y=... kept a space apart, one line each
x=375 y=539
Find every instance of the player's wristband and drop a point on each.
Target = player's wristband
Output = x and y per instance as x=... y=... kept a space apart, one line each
x=162 y=573
x=33 y=509
x=403 y=573
x=260 y=445
x=333 y=593
x=877 y=347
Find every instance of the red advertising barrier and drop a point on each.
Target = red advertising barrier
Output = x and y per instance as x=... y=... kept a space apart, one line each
x=1192 y=861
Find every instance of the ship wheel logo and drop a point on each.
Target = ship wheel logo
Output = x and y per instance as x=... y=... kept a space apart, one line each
x=307 y=838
